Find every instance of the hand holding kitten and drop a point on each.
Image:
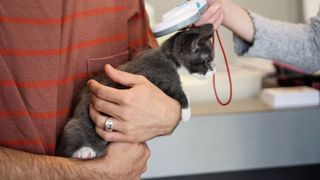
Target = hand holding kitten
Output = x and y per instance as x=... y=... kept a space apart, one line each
x=144 y=97
x=140 y=113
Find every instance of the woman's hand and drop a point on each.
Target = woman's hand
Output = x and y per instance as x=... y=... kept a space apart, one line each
x=213 y=15
x=231 y=16
x=139 y=113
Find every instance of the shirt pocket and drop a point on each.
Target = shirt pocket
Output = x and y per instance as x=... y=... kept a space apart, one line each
x=96 y=65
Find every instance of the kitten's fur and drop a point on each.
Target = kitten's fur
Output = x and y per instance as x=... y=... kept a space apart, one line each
x=191 y=49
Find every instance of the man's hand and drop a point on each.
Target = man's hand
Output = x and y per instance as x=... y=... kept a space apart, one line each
x=214 y=14
x=123 y=161
x=139 y=113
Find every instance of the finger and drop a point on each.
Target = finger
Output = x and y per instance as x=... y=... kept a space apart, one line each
x=106 y=107
x=212 y=11
x=218 y=21
x=145 y=169
x=121 y=77
x=143 y=155
x=214 y=17
x=112 y=136
x=100 y=120
x=104 y=92
x=148 y=152
x=146 y=157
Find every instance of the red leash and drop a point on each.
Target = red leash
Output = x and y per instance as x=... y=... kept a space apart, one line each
x=228 y=71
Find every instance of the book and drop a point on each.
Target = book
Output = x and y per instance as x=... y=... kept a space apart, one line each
x=289 y=97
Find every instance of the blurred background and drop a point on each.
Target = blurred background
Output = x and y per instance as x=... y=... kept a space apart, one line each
x=247 y=139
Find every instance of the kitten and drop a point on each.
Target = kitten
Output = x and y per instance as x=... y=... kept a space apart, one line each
x=190 y=49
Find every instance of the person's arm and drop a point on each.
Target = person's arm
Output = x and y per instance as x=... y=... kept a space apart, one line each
x=257 y=36
x=16 y=164
x=237 y=20
x=283 y=42
x=231 y=16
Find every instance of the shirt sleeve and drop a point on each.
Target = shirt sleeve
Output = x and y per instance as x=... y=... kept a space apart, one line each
x=294 y=44
x=139 y=31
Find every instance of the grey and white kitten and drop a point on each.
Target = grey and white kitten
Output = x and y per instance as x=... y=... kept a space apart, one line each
x=190 y=49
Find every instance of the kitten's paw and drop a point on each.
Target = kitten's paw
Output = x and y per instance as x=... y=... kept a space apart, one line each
x=84 y=153
x=185 y=114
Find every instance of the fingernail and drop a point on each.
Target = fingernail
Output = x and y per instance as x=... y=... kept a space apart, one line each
x=106 y=66
x=110 y=66
x=89 y=82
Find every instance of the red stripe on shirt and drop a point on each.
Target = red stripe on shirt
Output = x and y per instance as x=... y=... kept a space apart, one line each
x=36 y=115
x=50 y=52
x=32 y=142
x=65 y=19
x=45 y=83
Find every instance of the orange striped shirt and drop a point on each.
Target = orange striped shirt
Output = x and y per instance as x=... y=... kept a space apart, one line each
x=48 y=51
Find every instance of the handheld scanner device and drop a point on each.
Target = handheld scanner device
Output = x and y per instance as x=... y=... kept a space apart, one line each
x=181 y=16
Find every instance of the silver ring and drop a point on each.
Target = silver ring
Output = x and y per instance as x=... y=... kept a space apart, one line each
x=108 y=124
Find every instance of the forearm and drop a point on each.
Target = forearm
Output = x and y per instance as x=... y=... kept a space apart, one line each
x=21 y=165
x=289 y=43
x=237 y=20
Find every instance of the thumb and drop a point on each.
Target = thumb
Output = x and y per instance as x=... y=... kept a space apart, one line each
x=122 y=77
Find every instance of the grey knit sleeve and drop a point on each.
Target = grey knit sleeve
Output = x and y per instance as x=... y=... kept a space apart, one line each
x=295 y=44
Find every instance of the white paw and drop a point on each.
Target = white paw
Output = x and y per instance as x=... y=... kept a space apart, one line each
x=84 y=153
x=186 y=114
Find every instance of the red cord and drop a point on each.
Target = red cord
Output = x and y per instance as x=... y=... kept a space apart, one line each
x=228 y=71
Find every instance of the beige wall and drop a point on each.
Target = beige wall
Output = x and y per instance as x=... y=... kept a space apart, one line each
x=287 y=10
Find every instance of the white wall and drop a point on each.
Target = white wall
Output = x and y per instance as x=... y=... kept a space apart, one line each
x=310 y=8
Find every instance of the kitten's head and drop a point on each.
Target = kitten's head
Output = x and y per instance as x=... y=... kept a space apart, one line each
x=193 y=49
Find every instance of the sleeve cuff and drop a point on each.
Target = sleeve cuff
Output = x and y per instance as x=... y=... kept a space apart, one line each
x=241 y=46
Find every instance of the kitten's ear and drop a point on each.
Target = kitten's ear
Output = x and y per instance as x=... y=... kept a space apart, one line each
x=206 y=37
x=206 y=29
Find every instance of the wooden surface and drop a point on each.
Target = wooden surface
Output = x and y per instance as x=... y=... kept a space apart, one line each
x=242 y=106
